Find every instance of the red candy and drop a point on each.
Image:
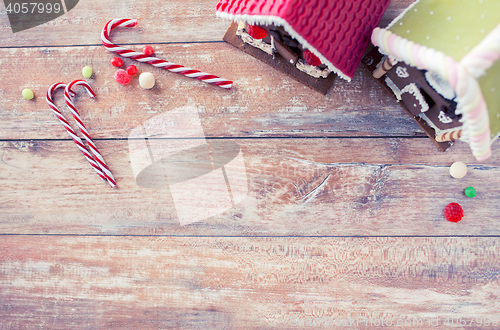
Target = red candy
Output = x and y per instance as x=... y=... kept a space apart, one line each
x=310 y=58
x=117 y=62
x=256 y=32
x=453 y=212
x=132 y=70
x=148 y=50
x=122 y=77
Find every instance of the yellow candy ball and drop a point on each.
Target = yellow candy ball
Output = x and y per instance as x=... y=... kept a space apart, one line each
x=28 y=94
x=87 y=72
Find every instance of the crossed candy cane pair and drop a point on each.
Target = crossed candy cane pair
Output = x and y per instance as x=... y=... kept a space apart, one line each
x=95 y=159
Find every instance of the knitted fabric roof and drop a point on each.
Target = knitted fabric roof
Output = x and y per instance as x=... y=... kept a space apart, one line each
x=337 y=31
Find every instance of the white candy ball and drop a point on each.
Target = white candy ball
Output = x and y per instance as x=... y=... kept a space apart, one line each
x=146 y=80
x=458 y=170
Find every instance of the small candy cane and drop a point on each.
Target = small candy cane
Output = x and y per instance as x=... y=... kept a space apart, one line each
x=68 y=91
x=159 y=63
x=70 y=130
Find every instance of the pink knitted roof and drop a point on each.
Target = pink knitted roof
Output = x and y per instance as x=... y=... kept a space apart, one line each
x=337 y=31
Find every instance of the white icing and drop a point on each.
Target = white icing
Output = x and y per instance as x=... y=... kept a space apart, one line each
x=411 y=89
x=402 y=72
x=415 y=91
x=254 y=42
x=273 y=46
x=440 y=85
x=393 y=87
x=444 y=118
x=312 y=70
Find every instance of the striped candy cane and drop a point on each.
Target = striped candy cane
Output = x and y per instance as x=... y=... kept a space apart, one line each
x=159 y=63
x=68 y=92
x=70 y=130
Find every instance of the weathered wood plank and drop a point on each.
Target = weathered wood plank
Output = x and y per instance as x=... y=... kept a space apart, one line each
x=245 y=283
x=296 y=187
x=260 y=104
x=293 y=187
x=160 y=21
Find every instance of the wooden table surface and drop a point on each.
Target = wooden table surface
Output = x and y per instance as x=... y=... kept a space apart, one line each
x=341 y=225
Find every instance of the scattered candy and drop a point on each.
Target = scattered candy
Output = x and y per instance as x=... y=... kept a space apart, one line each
x=132 y=70
x=156 y=62
x=148 y=50
x=87 y=72
x=122 y=77
x=146 y=80
x=310 y=58
x=28 y=94
x=117 y=62
x=256 y=32
x=458 y=170
x=453 y=212
x=470 y=192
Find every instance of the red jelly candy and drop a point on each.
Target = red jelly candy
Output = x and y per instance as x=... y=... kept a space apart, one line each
x=310 y=58
x=453 y=212
x=148 y=50
x=122 y=77
x=116 y=61
x=131 y=70
x=256 y=32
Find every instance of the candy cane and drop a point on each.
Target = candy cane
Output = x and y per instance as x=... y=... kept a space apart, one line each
x=70 y=130
x=159 y=63
x=68 y=91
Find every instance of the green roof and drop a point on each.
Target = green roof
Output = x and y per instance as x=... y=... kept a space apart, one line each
x=453 y=27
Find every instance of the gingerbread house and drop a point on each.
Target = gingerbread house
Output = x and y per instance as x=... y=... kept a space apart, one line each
x=440 y=59
x=308 y=39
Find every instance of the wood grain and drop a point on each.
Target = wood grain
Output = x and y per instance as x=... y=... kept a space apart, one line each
x=76 y=254
x=295 y=187
x=244 y=283
x=160 y=22
x=259 y=105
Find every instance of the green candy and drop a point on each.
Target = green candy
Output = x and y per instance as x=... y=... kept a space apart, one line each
x=28 y=94
x=87 y=72
x=470 y=192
